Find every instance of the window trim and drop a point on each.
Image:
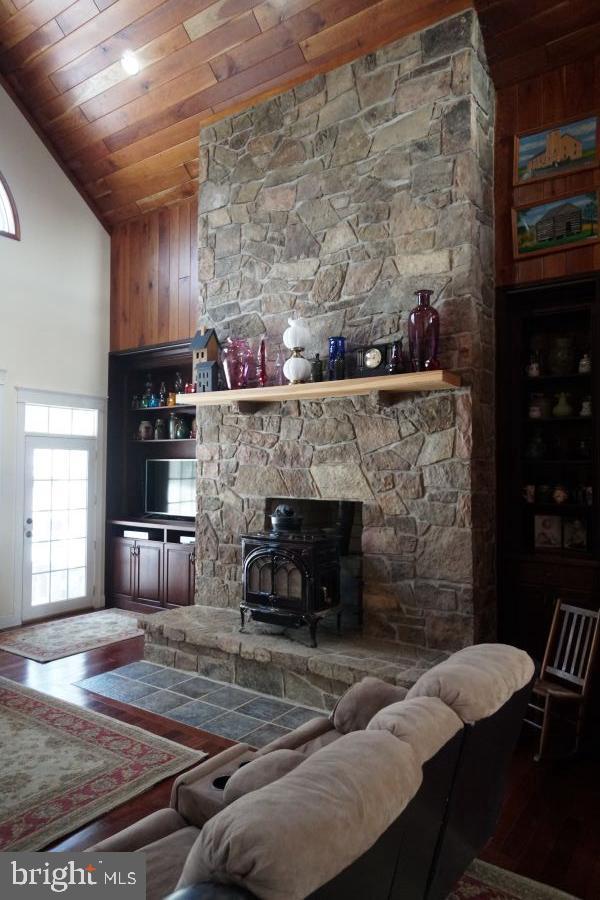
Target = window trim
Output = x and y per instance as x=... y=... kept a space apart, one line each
x=16 y=236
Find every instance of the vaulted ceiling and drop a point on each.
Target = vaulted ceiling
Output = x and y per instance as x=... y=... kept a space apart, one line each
x=130 y=142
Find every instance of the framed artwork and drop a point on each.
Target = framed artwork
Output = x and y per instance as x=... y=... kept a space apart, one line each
x=574 y=534
x=558 y=150
x=556 y=225
x=547 y=532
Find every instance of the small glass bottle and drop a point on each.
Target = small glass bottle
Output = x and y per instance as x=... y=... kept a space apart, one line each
x=279 y=376
x=316 y=369
x=423 y=334
x=394 y=366
x=162 y=394
x=148 y=392
x=173 y=420
x=178 y=386
x=337 y=361
x=261 y=363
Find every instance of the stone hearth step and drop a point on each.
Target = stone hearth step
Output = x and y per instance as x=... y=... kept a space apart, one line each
x=207 y=640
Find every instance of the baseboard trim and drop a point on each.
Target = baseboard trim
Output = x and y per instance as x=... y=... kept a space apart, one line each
x=9 y=622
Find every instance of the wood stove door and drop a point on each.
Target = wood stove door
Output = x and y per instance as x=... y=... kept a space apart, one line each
x=274 y=578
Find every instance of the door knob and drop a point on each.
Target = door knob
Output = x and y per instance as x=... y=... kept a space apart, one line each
x=29 y=521
x=28 y=533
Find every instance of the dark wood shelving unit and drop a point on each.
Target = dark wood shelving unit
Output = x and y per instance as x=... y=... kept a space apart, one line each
x=179 y=408
x=532 y=576
x=147 y=564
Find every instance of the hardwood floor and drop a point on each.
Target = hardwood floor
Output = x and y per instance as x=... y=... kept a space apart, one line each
x=57 y=679
x=549 y=829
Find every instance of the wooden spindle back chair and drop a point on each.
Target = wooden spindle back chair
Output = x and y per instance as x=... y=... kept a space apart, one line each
x=566 y=669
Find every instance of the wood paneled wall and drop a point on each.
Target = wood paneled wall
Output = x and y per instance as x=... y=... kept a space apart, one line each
x=154 y=277
x=565 y=92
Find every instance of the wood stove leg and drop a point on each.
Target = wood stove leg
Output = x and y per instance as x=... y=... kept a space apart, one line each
x=313 y=632
x=339 y=623
x=243 y=617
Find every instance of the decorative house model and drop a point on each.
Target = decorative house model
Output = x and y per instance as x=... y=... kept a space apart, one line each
x=205 y=348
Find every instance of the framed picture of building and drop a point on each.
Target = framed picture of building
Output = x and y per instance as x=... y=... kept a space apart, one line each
x=557 y=150
x=558 y=225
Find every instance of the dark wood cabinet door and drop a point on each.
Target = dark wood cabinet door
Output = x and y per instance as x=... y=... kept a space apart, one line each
x=179 y=570
x=148 y=555
x=122 y=567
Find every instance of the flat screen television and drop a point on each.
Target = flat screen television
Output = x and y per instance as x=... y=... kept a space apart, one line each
x=171 y=487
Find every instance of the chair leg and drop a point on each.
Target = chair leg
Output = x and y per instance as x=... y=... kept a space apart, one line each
x=544 y=731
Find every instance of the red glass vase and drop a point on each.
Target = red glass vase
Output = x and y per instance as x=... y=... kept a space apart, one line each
x=236 y=357
x=423 y=334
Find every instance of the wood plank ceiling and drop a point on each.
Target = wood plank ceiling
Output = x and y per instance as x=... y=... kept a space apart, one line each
x=524 y=38
x=131 y=142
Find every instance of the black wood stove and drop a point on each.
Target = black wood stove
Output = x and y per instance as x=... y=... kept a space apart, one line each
x=291 y=576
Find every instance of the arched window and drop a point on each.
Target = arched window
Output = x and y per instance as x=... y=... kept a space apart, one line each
x=9 y=220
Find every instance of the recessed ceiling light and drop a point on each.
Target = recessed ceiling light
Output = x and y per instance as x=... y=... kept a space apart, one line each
x=130 y=62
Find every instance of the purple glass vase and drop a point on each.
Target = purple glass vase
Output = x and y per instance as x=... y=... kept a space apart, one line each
x=261 y=363
x=423 y=334
x=236 y=358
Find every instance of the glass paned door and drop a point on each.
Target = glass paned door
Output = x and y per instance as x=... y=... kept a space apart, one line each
x=58 y=557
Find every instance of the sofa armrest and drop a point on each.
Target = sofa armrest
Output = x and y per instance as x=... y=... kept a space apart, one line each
x=210 y=890
x=149 y=829
x=206 y=767
x=310 y=730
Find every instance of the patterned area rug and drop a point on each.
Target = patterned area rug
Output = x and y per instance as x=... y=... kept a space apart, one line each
x=482 y=881
x=63 y=766
x=65 y=637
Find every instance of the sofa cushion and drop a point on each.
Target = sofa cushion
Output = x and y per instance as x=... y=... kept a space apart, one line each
x=357 y=706
x=477 y=681
x=260 y=771
x=165 y=860
x=317 y=743
x=426 y=723
x=153 y=827
x=299 y=736
x=342 y=798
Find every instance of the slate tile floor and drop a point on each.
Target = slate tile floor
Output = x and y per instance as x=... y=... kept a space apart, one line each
x=224 y=709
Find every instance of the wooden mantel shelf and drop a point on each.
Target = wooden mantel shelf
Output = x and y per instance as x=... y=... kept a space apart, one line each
x=438 y=380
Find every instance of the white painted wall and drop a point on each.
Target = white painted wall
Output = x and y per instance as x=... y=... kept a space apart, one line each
x=54 y=303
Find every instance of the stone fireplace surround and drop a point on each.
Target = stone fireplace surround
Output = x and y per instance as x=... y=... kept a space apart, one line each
x=336 y=201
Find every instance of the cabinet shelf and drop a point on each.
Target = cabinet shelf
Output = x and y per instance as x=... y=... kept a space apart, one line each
x=438 y=380
x=556 y=419
x=162 y=441
x=554 y=379
x=567 y=508
x=152 y=409
x=559 y=462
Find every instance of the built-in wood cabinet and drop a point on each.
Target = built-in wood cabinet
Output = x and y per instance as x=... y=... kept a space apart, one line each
x=150 y=563
x=179 y=567
x=150 y=572
x=548 y=454
x=122 y=582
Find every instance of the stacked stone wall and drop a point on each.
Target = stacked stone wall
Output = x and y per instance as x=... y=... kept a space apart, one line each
x=336 y=201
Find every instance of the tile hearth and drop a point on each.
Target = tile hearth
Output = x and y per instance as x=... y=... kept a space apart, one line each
x=207 y=640
x=221 y=709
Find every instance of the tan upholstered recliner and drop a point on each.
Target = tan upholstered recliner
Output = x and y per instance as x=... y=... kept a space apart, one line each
x=470 y=705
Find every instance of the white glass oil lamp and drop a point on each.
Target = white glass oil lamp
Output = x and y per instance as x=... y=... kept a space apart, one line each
x=295 y=338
